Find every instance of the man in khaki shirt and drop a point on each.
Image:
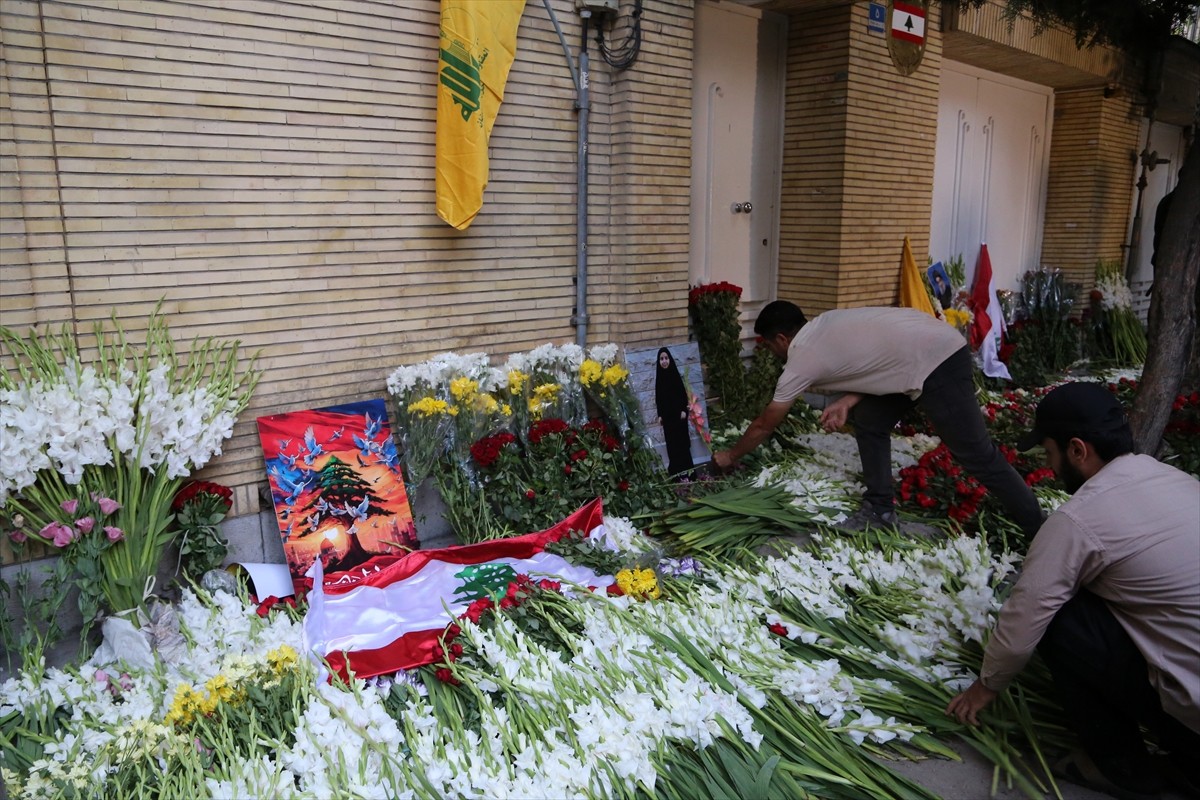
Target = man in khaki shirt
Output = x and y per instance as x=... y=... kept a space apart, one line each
x=881 y=362
x=1109 y=595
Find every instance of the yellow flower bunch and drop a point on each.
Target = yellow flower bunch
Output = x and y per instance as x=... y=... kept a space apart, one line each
x=642 y=583
x=614 y=375
x=957 y=317
x=590 y=372
x=485 y=404
x=282 y=659
x=185 y=707
x=226 y=687
x=429 y=407
x=516 y=381
x=464 y=389
x=543 y=397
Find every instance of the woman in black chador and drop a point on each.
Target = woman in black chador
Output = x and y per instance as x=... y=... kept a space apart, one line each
x=671 y=402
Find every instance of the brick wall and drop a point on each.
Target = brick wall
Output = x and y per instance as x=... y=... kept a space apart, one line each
x=267 y=170
x=858 y=160
x=1088 y=187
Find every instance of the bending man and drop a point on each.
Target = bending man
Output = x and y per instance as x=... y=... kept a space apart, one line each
x=1109 y=595
x=884 y=361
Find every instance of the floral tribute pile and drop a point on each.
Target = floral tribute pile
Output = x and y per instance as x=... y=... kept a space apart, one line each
x=686 y=679
x=516 y=448
x=714 y=665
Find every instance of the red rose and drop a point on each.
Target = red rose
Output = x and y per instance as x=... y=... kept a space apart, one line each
x=623 y=486
x=777 y=629
x=446 y=676
x=530 y=494
x=546 y=427
x=189 y=492
x=566 y=469
x=264 y=608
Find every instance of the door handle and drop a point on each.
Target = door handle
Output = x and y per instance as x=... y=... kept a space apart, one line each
x=742 y=208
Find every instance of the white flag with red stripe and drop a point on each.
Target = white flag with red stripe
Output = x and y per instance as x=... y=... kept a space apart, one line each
x=987 y=328
x=391 y=619
x=908 y=22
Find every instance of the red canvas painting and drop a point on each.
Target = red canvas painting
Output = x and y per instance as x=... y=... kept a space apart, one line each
x=338 y=488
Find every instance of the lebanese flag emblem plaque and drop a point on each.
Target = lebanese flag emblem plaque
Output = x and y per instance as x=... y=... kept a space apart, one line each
x=906 y=33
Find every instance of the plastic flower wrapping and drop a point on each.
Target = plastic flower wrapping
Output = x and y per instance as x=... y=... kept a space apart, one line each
x=448 y=403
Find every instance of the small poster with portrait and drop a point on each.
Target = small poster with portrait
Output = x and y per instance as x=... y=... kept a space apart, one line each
x=939 y=282
x=669 y=386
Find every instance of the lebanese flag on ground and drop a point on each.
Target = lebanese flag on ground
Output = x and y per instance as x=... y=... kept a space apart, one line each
x=987 y=328
x=391 y=619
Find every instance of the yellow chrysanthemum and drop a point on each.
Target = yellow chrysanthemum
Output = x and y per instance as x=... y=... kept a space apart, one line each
x=614 y=375
x=282 y=658
x=429 y=407
x=463 y=388
x=642 y=583
x=590 y=371
x=486 y=404
x=516 y=380
x=506 y=410
x=543 y=397
x=185 y=705
x=957 y=317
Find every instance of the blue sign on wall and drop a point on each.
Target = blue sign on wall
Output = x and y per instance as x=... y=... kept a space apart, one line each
x=876 y=16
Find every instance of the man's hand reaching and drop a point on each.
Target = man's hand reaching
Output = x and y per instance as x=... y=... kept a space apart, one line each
x=836 y=413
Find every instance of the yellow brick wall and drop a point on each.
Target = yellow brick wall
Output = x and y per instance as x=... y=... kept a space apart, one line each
x=651 y=183
x=858 y=160
x=267 y=170
x=810 y=243
x=1090 y=180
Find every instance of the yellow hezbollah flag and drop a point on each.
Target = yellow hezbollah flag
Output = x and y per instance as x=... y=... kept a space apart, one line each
x=912 y=288
x=478 y=44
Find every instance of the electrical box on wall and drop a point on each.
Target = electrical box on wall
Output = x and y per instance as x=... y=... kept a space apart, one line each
x=597 y=7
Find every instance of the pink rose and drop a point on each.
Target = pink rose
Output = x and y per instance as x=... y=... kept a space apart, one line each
x=101 y=676
x=69 y=506
x=85 y=524
x=113 y=534
x=18 y=537
x=108 y=506
x=58 y=533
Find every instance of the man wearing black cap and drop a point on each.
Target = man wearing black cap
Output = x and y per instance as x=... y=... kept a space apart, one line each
x=1109 y=595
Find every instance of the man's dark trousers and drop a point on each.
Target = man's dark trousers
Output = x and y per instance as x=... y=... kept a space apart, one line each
x=948 y=399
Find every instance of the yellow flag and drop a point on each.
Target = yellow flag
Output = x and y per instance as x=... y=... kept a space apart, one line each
x=476 y=51
x=912 y=288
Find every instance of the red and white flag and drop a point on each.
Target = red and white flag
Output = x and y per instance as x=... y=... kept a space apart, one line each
x=391 y=619
x=987 y=328
x=908 y=22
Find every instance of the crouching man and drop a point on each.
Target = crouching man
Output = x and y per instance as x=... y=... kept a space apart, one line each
x=1109 y=595
x=881 y=362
